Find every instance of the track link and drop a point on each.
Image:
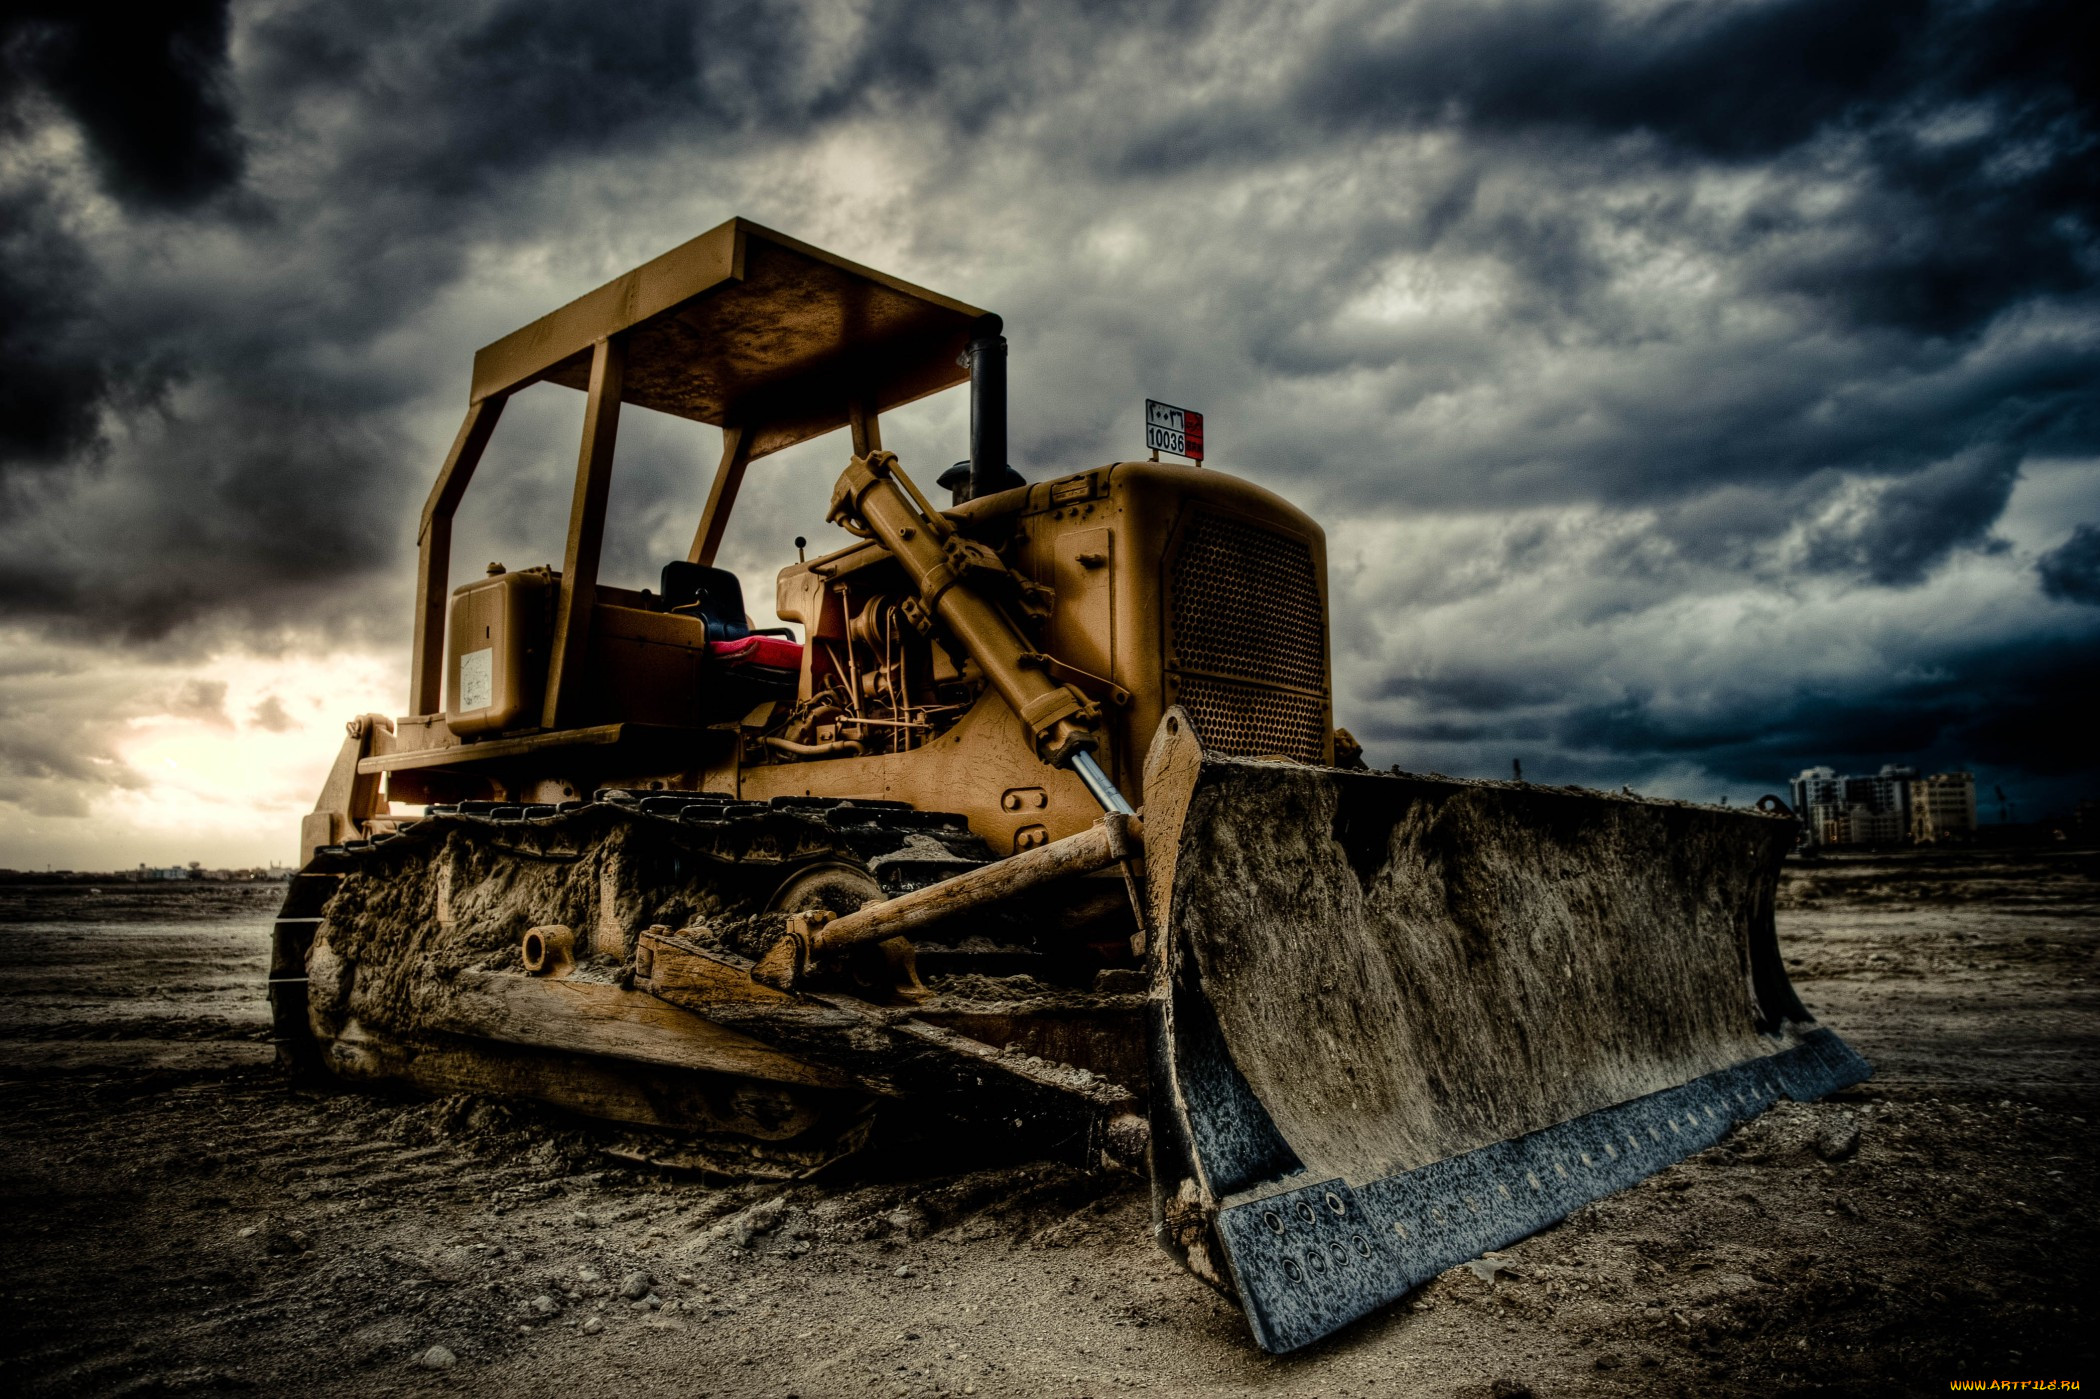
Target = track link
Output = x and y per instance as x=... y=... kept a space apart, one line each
x=387 y=948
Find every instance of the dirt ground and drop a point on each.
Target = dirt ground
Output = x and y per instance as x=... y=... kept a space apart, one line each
x=180 y=1220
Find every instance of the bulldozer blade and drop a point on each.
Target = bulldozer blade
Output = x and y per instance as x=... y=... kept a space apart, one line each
x=1400 y=1020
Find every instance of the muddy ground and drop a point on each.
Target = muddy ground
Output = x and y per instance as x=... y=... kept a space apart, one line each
x=180 y=1220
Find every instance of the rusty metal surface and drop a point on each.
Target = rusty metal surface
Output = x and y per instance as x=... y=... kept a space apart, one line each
x=1406 y=968
x=1428 y=992
x=1311 y=1258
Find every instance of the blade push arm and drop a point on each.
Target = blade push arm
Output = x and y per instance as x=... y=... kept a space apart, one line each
x=813 y=937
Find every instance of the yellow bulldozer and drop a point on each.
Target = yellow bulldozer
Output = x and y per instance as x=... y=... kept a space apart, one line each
x=1037 y=831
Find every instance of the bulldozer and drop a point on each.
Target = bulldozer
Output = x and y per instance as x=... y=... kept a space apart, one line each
x=1034 y=828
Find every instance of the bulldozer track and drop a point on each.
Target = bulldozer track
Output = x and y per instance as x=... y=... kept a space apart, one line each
x=422 y=925
x=900 y=847
x=744 y=830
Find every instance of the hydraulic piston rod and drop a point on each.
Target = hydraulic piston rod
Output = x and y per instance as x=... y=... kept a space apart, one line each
x=1097 y=783
x=870 y=499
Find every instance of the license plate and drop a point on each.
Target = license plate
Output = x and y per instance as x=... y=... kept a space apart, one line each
x=1171 y=429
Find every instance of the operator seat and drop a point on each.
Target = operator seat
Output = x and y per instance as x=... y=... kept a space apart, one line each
x=711 y=594
x=744 y=667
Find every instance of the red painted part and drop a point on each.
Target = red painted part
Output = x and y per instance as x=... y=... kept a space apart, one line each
x=773 y=652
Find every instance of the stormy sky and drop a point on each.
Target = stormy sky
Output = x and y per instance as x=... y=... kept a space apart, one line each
x=1690 y=392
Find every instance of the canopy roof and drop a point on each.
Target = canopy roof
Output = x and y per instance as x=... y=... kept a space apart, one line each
x=749 y=328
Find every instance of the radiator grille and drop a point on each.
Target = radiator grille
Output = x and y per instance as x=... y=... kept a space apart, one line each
x=1244 y=603
x=1252 y=720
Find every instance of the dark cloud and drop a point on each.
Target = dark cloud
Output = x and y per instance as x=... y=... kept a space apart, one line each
x=54 y=376
x=236 y=523
x=146 y=84
x=224 y=452
x=1739 y=307
x=1970 y=126
x=1905 y=186
x=1732 y=81
x=147 y=89
x=1910 y=525
x=471 y=95
x=1473 y=692
x=2013 y=707
x=2071 y=570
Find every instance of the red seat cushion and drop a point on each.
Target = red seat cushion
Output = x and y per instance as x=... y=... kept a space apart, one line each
x=771 y=652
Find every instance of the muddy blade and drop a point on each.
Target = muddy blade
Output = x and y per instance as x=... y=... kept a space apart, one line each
x=1400 y=1020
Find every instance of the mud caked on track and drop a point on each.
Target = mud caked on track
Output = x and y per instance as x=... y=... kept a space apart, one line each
x=182 y=1220
x=530 y=954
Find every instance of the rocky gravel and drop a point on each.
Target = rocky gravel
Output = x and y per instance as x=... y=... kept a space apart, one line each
x=183 y=1221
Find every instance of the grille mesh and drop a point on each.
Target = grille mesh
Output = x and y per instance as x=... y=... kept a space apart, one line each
x=1252 y=720
x=1246 y=603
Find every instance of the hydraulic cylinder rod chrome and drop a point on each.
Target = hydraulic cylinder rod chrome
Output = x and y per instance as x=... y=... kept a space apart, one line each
x=1103 y=790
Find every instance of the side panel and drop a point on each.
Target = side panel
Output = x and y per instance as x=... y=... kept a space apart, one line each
x=1083 y=569
x=645 y=668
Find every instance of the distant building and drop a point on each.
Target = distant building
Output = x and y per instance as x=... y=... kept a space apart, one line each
x=1817 y=787
x=1892 y=797
x=1856 y=810
x=1866 y=826
x=1943 y=807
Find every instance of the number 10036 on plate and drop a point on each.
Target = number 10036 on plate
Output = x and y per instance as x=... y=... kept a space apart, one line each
x=1171 y=429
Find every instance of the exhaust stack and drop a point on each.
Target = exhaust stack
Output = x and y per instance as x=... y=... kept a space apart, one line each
x=986 y=472
x=988 y=469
